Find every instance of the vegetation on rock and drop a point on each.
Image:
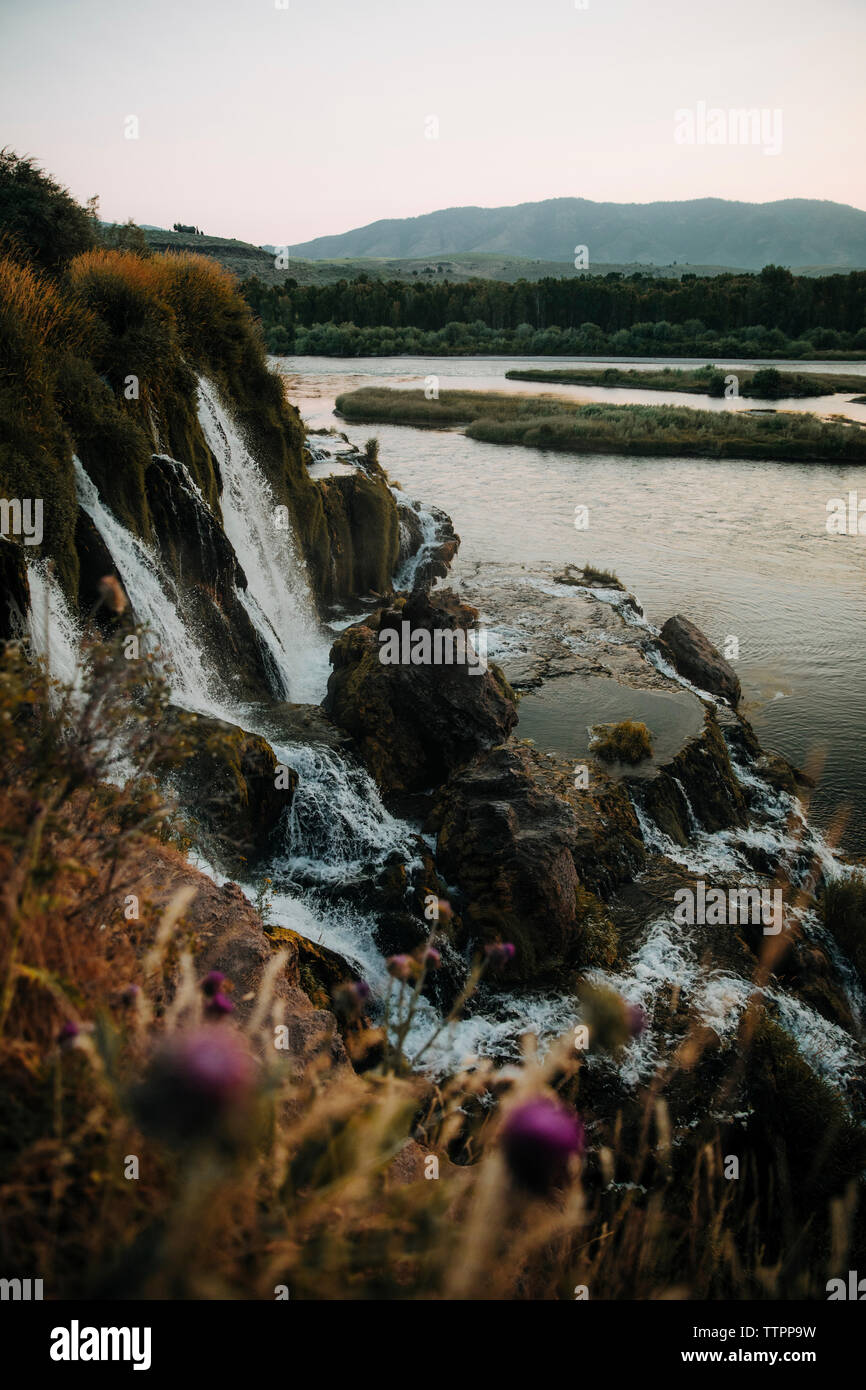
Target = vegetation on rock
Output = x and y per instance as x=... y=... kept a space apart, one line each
x=626 y=742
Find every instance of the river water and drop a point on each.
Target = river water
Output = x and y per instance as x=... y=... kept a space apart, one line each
x=741 y=548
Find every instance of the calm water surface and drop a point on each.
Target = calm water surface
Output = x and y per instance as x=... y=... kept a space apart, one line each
x=739 y=547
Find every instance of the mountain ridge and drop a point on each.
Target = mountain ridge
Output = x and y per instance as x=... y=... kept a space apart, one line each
x=709 y=231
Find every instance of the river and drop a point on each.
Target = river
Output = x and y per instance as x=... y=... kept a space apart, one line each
x=739 y=547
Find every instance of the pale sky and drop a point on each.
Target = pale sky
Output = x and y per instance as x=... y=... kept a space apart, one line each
x=280 y=124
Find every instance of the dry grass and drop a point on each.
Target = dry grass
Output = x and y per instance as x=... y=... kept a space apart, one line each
x=326 y=1185
x=627 y=742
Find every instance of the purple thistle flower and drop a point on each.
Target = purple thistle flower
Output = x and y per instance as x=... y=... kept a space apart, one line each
x=211 y=983
x=499 y=953
x=68 y=1033
x=637 y=1020
x=219 y=1005
x=539 y=1139
x=401 y=967
x=350 y=999
x=432 y=958
x=198 y=1085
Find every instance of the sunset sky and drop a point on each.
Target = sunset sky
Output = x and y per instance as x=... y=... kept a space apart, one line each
x=280 y=124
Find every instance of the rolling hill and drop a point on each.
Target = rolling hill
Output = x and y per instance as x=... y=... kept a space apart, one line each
x=704 y=231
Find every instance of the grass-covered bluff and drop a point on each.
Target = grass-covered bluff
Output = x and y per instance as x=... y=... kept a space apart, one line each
x=100 y=350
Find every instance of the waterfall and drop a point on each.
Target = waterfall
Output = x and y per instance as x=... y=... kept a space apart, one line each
x=337 y=827
x=192 y=681
x=668 y=956
x=278 y=597
x=414 y=563
x=54 y=634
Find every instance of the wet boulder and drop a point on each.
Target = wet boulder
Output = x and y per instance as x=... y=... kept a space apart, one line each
x=694 y=656
x=230 y=783
x=696 y=790
x=428 y=544
x=415 y=721
x=530 y=854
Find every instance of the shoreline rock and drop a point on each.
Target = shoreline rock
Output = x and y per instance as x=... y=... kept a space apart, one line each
x=694 y=656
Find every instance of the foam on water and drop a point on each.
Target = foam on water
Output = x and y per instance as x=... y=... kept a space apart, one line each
x=192 y=679
x=55 y=635
x=669 y=955
x=413 y=565
x=337 y=826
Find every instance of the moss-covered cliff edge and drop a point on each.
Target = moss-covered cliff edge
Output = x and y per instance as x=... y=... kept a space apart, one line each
x=101 y=351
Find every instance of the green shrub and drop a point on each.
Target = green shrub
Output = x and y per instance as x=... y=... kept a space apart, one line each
x=843 y=909
x=628 y=742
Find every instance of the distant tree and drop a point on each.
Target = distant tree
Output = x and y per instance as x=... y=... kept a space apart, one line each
x=40 y=216
x=766 y=384
x=127 y=236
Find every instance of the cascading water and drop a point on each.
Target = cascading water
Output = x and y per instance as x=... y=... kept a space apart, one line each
x=339 y=831
x=192 y=680
x=417 y=562
x=670 y=954
x=337 y=826
x=54 y=634
x=278 y=597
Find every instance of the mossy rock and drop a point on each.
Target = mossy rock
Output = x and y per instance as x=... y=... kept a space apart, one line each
x=228 y=782
x=320 y=970
x=843 y=910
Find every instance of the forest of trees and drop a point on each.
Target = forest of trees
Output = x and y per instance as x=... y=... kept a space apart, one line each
x=772 y=313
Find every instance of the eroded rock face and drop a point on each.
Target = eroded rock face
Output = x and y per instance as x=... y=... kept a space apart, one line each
x=230 y=779
x=361 y=517
x=415 y=724
x=200 y=558
x=529 y=852
x=695 y=657
x=698 y=783
x=14 y=591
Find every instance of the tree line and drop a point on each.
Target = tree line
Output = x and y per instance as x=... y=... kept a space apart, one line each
x=827 y=311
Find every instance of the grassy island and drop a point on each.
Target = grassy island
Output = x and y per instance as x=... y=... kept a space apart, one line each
x=545 y=422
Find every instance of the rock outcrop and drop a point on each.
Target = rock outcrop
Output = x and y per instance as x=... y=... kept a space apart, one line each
x=694 y=656
x=361 y=517
x=230 y=778
x=14 y=591
x=529 y=853
x=414 y=725
x=697 y=785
